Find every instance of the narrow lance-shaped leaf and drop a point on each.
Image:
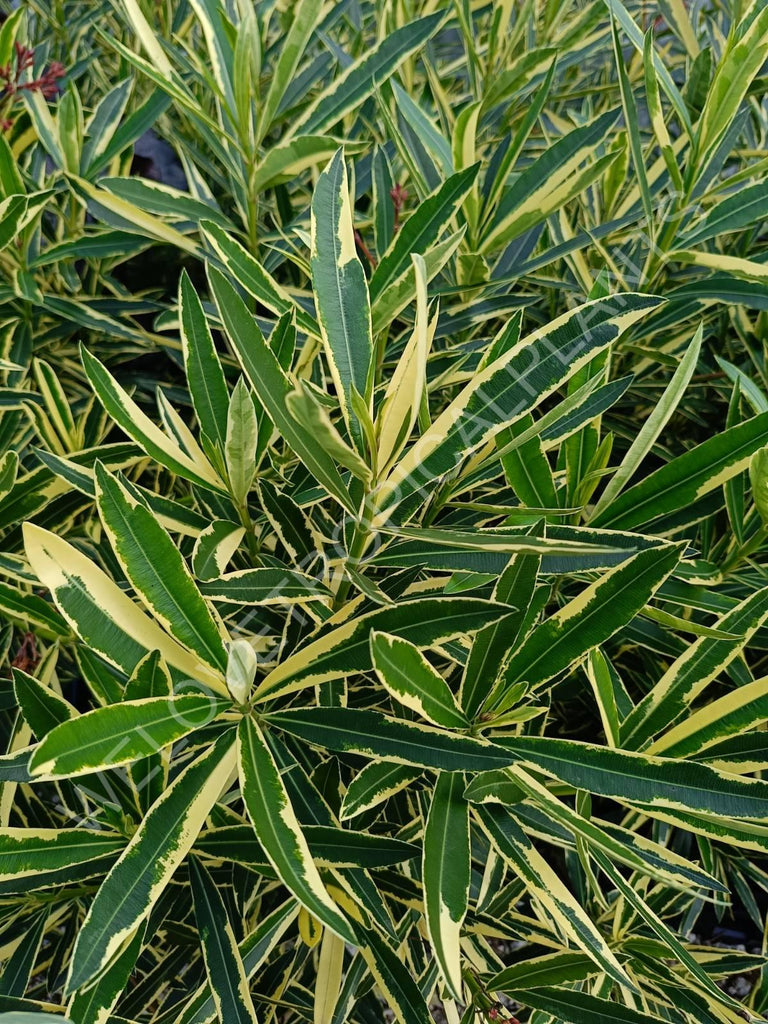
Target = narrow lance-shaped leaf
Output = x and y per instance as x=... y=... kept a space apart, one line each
x=688 y=477
x=241 y=442
x=654 y=782
x=375 y=783
x=690 y=673
x=27 y=852
x=541 y=881
x=346 y=649
x=140 y=427
x=104 y=617
x=421 y=230
x=305 y=15
x=409 y=677
x=360 y=79
x=121 y=733
x=446 y=874
x=93 y=1004
x=375 y=735
x=654 y=425
x=132 y=887
x=155 y=567
x=341 y=291
x=591 y=618
x=509 y=388
x=278 y=831
x=205 y=376
x=226 y=974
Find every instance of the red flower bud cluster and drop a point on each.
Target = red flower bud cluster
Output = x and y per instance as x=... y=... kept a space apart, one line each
x=11 y=83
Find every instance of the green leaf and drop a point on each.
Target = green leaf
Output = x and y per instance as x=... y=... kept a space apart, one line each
x=653 y=426
x=510 y=387
x=570 y=1006
x=264 y=587
x=341 y=291
x=446 y=875
x=360 y=79
x=205 y=376
x=545 y=886
x=591 y=618
x=120 y=733
x=226 y=974
x=134 y=884
x=656 y=782
x=700 y=664
x=156 y=569
x=422 y=230
x=278 y=831
x=140 y=427
x=347 y=649
x=254 y=278
x=563 y=170
x=747 y=206
x=375 y=735
x=758 y=479
x=688 y=477
x=378 y=781
x=104 y=617
x=92 y=1005
x=409 y=677
x=26 y=852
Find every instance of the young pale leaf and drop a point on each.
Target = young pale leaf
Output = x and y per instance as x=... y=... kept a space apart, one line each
x=272 y=386
x=446 y=874
x=166 y=835
x=410 y=678
x=241 y=443
x=400 y=406
x=241 y=670
x=314 y=418
x=278 y=831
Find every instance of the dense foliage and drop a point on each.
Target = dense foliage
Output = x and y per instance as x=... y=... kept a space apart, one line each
x=383 y=511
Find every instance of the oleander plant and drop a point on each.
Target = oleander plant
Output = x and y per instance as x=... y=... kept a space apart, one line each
x=383 y=512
